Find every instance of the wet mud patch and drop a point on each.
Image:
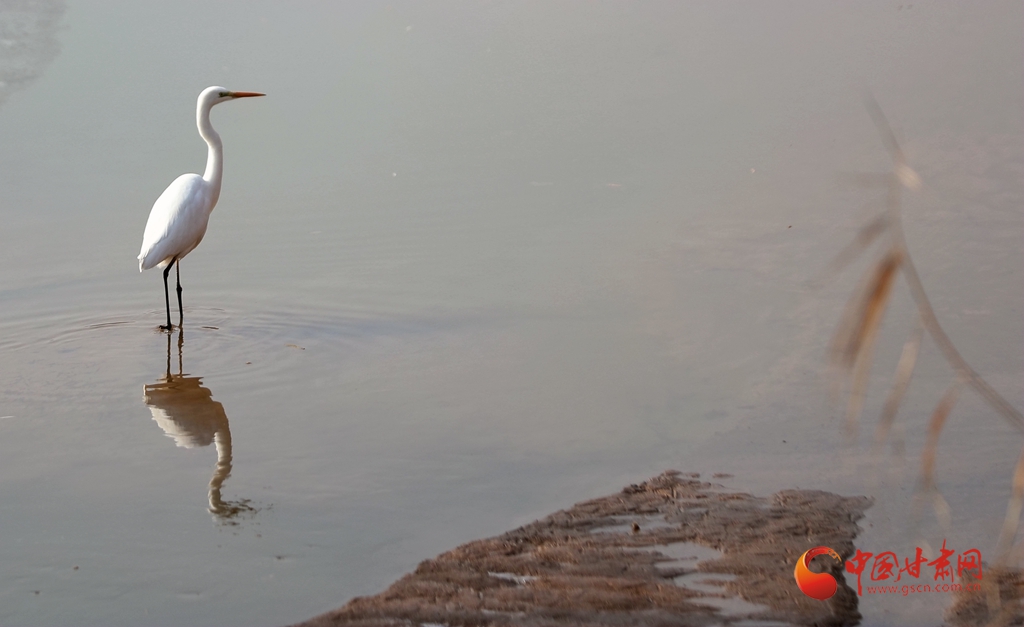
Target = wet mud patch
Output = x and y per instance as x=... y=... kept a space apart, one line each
x=996 y=599
x=673 y=550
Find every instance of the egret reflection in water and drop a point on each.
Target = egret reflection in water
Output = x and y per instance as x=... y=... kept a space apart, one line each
x=186 y=411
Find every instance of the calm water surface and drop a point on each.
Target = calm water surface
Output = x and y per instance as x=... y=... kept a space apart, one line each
x=472 y=262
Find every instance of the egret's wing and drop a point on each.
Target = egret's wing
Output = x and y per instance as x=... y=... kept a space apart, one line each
x=177 y=222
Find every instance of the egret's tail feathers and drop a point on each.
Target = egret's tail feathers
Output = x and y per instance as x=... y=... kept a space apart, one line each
x=146 y=261
x=152 y=260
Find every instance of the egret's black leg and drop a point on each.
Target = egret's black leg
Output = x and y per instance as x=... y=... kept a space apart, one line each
x=181 y=312
x=167 y=300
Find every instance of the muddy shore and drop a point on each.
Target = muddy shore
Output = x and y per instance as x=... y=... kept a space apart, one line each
x=673 y=550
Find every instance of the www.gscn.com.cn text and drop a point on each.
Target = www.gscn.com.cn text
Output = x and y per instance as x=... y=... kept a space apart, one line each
x=924 y=587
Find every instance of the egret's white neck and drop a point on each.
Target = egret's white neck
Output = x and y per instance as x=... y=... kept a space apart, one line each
x=215 y=155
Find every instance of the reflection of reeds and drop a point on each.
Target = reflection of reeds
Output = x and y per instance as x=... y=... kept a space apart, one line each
x=853 y=343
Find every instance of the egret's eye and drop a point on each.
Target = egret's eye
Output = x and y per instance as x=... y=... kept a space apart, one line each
x=225 y=94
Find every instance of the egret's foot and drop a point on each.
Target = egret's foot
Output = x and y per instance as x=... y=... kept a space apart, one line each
x=166 y=327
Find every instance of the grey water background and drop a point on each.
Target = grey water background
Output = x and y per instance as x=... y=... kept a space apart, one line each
x=474 y=262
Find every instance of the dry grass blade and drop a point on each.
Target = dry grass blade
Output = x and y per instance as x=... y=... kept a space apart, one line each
x=935 y=425
x=1013 y=508
x=862 y=311
x=901 y=381
x=867 y=234
x=853 y=344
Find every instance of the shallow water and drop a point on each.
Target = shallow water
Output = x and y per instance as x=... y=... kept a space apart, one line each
x=472 y=262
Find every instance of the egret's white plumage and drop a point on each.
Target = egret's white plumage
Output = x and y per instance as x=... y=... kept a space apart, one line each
x=178 y=220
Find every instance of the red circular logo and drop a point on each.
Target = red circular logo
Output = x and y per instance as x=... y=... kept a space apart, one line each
x=819 y=586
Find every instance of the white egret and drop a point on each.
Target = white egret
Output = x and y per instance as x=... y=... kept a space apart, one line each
x=179 y=216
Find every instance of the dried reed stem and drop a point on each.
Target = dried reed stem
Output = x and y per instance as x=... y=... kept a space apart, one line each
x=852 y=347
x=904 y=176
x=927 y=485
x=901 y=381
x=935 y=425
